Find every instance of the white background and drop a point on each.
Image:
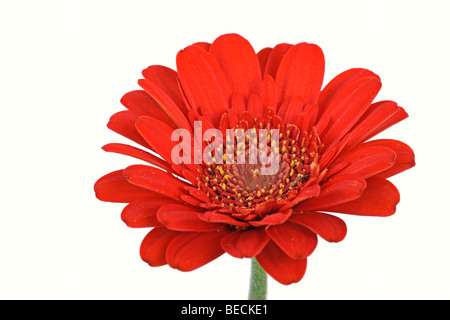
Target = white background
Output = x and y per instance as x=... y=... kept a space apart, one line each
x=64 y=66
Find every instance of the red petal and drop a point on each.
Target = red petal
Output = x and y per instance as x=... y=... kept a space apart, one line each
x=311 y=110
x=340 y=189
x=140 y=103
x=158 y=135
x=404 y=156
x=306 y=193
x=142 y=213
x=137 y=153
x=191 y=250
x=275 y=57
x=280 y=266
x=154 y=246
x=179 y=217
x=399 y=115
x=123 y=123
x=301 y=73
x=272 y=219
x=348 y=107
x=255 y=107
x=166 y=103
x=368 y=160
x=203 y=82
x=263 y=55
x=266 y=207
x=378 y=117
x=191 y=176
x=199 y=194
x=334 y=89
x=203 y=45
x=167 y=80
x=191 y=200
x=329 y=227
x=113 y=187
x=268 y=93
x=237 y=103
x=211 y=216
x=379 y=199
x=245 y=244
x=295 y=240
x=294 y=108
x=239 y=62
x=153 y=179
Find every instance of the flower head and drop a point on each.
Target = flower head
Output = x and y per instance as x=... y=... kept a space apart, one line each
x=325 y=164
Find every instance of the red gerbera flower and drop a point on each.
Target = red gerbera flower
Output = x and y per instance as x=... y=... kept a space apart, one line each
x=200 y=211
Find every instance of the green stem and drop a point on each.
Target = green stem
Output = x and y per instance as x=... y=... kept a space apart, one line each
x=258 y=282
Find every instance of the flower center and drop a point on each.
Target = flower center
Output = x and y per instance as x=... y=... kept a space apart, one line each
x=239 y=187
